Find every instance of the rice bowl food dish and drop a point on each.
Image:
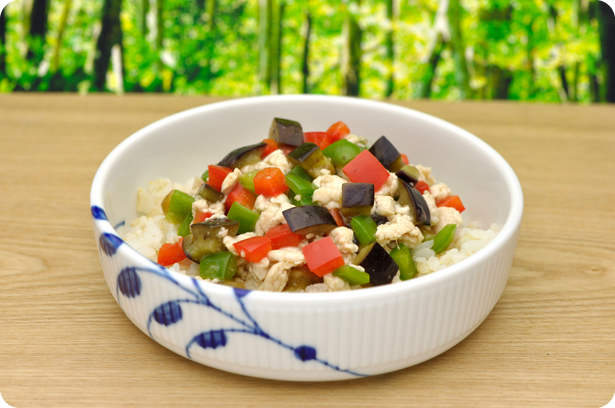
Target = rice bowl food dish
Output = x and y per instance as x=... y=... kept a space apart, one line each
x=306 y=212
x=308 y=336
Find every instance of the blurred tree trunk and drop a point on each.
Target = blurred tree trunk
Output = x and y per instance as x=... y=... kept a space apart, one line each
x=439 y=37
x=607 y=44
x=269 y=45
x=55 y=62
x=455 y=14
x=501 y=80
x=200 y=6
x=529 y=63
x=275 y=47
x=305 y=66
x=211 y=42
x=392 y=13
x=564 y=92
x=143 y=18
x=3 y=44
x=159 y=25
x=110 y=35
x=432 y=64
x=264 y=30
x=351 y=56
x=38 y=29
x=211 y=14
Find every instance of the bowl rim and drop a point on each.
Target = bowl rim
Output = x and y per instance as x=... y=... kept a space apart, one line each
x=507 y=231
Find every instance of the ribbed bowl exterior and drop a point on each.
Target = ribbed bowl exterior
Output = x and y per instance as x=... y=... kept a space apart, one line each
x=354 y=339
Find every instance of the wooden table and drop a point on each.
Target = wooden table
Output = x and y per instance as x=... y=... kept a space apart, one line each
x=549 y=342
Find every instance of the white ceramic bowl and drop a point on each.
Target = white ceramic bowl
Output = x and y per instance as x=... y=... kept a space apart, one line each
x=306 y=336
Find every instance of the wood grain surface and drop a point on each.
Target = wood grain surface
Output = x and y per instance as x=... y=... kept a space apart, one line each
x=64 y=342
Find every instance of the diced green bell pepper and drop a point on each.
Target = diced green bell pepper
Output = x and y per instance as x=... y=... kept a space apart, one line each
x=221 y=265
x=298 y=171
x=184 y=228
x=444 y=238
x=341 y=152
x=300 y=185
x=179 y=206
x=352 y=275
x=364 y=228
x=244 y=216
x=403 y=257
x=205 y=176
x=247 y=180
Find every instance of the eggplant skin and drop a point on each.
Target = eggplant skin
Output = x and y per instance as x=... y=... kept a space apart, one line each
x=423 y=216
x=357 y=195
x=409 y=174
x=236 y=157
x=286 y=131
x=207 y=192
x=309 y=219
x=385 y=152
x=204 y=238
x=412 y=197
x=379 y=265
x=379 y=219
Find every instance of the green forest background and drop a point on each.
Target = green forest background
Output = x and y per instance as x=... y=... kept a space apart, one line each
x=531 y=50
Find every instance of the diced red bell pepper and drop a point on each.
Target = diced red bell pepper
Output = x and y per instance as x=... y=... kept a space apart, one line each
x=270 y=182
x=201 y=216
x=271 y=147
x=337 y=216
x=217 y=174
x=169 y=254
x=404 y=159
x=451 y=201
x=282 y=236
x=365 y=168
x=322 y=139
x=337 y=131
x=242 y=195
x=253 y=249
x=322 y=256
x=422 y=187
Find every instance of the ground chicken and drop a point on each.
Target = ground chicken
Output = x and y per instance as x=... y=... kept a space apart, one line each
x=425 y=174
x=434 y=211
x=358 y=140
x=440 y=191
x=283 y=260
x=271 y=210
x=384 y=205
x=230 y=180
x=448 y=215
x=276 y=278
x=216 y=208
x=329 y=192
x=344 y=240
x=389 y=188
x=401 y=229
x=259 y=269
x=335 y=283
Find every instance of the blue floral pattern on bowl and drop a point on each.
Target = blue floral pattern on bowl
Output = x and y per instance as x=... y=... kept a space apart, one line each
x=130 y=285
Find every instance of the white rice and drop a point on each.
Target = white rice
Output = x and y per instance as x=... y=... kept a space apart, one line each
x=467 y=241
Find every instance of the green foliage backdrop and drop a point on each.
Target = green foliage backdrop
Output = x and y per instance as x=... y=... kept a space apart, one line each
x=535 y=50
